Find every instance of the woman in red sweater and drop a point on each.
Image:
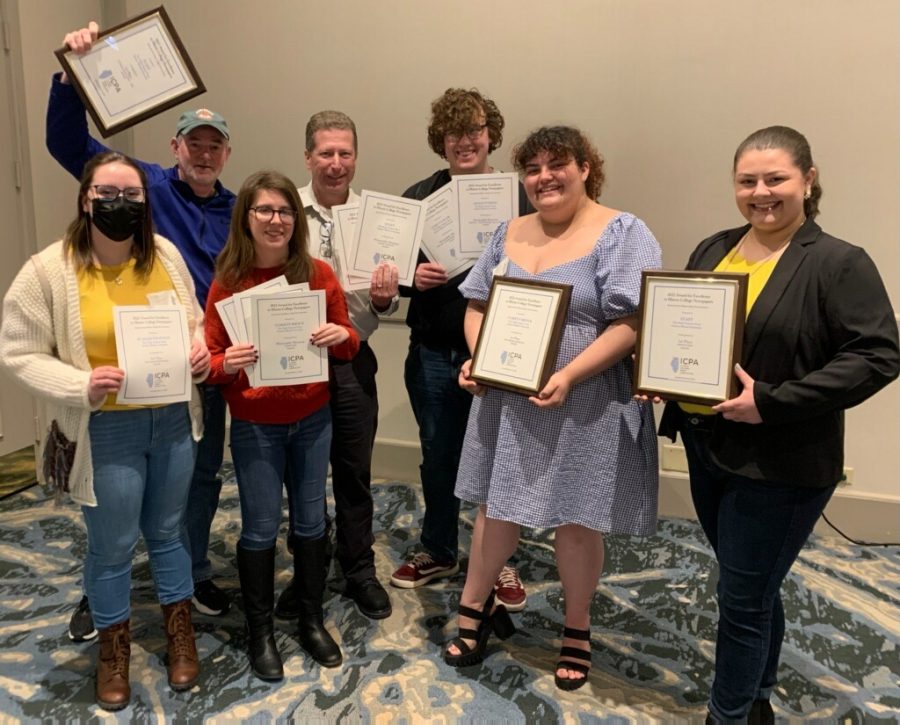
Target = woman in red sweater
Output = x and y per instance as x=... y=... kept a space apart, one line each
x=280 y=435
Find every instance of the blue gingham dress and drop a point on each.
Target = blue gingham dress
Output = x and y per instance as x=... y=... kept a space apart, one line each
x=593 y=460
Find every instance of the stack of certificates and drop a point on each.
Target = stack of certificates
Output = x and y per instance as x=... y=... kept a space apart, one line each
x=278 y=319
x=452 y=226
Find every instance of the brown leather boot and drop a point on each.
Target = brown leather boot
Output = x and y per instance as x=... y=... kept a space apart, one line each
x=113 y=690
x=184 y=665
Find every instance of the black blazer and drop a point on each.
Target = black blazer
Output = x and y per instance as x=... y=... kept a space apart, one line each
x=820 y=338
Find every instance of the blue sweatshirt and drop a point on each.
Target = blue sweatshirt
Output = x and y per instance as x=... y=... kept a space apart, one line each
x=198 y=226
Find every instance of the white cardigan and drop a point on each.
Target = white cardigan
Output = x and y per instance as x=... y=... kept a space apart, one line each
x=45 y=352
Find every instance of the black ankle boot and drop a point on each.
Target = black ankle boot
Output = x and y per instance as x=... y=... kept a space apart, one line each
x=257 y=573
x=310 y=569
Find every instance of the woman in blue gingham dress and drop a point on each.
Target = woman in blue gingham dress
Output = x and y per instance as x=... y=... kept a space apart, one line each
x=580 y=456
x=591 y=461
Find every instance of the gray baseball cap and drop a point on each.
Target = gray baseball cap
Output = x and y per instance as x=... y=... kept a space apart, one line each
x=201 y=117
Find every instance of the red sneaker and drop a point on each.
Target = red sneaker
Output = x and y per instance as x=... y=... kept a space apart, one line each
x=509 y=590
x=421 y=569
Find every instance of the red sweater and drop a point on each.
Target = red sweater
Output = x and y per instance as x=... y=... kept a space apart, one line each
x=282 y=404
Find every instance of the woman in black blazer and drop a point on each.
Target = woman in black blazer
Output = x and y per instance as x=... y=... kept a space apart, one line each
x=820 y=337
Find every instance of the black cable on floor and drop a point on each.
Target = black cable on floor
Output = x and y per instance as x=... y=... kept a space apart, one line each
x=854 y=541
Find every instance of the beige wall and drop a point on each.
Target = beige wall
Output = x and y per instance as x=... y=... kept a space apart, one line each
x=666 y=90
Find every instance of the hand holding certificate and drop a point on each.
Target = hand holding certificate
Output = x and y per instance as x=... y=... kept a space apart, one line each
x=133 y=71
x=690 y=335
x=520 y=334
x=153 y=347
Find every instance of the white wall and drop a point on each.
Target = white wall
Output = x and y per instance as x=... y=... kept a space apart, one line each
x=667 y=90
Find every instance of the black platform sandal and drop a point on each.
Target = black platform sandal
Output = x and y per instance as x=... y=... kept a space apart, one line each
x=499 y=621
x=569 y=683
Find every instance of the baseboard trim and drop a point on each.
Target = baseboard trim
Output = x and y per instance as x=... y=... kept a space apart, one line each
x=863 y=517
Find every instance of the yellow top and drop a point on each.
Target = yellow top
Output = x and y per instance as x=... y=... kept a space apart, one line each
x=99 y=290
x=759 y=273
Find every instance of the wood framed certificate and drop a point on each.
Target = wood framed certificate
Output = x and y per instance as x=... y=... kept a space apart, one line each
x=520 y=334
x=483 y=202
x=135 y=70
x=690 y=335
x=153 y=347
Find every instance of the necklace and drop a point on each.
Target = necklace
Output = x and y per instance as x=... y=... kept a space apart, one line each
x=758 y=265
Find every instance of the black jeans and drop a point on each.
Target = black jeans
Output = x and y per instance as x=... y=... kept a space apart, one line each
x=757 y=529
x=354 y=418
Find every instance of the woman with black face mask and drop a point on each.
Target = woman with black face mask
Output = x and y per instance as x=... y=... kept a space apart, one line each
x=131 y=465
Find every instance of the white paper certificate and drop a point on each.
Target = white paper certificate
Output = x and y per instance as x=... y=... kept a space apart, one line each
x=154 y=347
x=389 y=230
x=281 y=324
x=483 y=202
x=235 y=313
x=440 y=239
x=690 y=334
x=344 y=218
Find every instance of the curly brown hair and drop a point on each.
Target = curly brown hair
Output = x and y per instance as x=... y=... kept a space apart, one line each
x=563 y=142
x=238 y=258
x=456 y=111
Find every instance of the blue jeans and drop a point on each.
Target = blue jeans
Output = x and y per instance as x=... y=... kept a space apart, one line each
x=142 y=461
x=441 y=409
x=203 y=499
x=757 y=529
x=268 y=456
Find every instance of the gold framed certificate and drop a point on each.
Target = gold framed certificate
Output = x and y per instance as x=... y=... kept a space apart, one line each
x=520 y=334
x=690 y=335
x=135 y=70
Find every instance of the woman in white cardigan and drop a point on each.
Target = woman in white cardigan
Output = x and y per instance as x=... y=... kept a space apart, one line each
x=132 y=465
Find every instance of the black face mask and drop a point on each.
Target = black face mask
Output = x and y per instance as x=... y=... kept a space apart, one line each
x=118 y=219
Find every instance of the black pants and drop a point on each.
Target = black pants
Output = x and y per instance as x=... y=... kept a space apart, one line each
x=354 y=416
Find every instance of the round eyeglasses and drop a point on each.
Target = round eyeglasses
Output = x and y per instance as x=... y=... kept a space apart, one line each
x=267 y=214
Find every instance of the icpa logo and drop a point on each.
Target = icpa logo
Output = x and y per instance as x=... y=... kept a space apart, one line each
x=290 y=361
x=509 y=357
x=683 y=363
x=378 y=257
x=109 y=80
x=155 y=379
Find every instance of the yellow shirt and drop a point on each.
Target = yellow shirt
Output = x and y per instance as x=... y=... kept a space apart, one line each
x=759 y=273
x=99 y=290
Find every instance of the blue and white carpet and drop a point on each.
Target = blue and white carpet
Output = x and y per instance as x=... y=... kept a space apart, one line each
x=653 y=634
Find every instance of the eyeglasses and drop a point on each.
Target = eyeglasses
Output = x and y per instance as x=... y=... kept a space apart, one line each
x=325 y=248
x=266 y=214
x=473 y=132
x=105 y=192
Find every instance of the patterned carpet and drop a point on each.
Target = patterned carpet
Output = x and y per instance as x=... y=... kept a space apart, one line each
x=653 y=618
